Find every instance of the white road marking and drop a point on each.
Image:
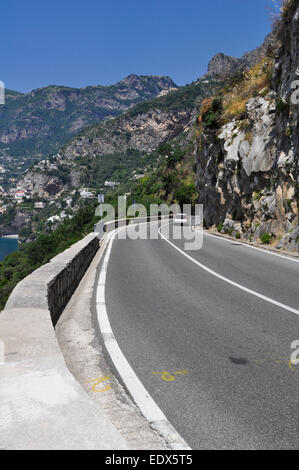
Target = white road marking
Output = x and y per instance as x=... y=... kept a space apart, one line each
x=142 y=398
x=225 y=279
x=289 y=258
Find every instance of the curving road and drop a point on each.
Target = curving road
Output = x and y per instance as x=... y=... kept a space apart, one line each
x=226 y=349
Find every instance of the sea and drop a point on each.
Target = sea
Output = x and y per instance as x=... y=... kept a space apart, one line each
x=8 y=246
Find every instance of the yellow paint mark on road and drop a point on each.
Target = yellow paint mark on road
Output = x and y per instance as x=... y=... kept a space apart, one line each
x=277 y=361
x=168 y=377
x=181 y=372
x=292 y=366
x=165 y=376
x=280 y=361
x=97 y=382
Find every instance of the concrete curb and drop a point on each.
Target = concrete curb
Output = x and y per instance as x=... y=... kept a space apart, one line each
x=259 y=246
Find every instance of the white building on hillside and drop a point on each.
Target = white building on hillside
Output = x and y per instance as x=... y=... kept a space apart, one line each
x=19 y=194
x=85 y=194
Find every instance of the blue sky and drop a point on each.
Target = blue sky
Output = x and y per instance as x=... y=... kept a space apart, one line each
x=92 y=42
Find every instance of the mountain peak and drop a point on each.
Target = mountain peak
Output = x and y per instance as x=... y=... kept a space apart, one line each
x=29 y=119
x=223 y=65
x=162 y=82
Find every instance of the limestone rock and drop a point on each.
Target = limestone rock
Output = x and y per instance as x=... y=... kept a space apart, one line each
x=290 y=241
x=247 y=171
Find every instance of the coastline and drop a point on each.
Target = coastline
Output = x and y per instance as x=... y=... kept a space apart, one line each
x=8 y=245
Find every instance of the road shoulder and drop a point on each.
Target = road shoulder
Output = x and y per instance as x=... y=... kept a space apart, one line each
x=84 y=356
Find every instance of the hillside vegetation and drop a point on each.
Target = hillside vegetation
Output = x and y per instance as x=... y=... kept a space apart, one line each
x=31 y=256
x=173 y=181
x=35 y=125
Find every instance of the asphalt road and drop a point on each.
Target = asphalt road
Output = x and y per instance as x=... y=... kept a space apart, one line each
x=227 y=350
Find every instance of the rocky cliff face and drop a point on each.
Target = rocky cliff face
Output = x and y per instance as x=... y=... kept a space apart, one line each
x=142 y=129
x=224 y=65
x=144 y=132
x=42 y=182
x=247 y=169
x=36 y=124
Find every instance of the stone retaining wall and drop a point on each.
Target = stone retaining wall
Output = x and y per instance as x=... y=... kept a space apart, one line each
x=51 y=286
x=42 y=406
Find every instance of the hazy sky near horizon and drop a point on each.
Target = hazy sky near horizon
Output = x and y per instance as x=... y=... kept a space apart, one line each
x=75 y=43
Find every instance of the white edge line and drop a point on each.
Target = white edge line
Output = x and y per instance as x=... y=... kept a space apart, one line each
x=225 y=279
x=268 y=252
x=142 y=398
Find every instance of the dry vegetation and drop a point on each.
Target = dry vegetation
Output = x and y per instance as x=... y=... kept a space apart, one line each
x=282 y=13
x=287 y=6
x=280 y=9
x=257 y=81
x=232 y=100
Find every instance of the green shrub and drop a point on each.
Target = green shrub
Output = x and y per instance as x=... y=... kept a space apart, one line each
x=175 y=157
x=165 y=149
x=257 y=195
x=264 y=92
x=281 y=106
x=185 y=195
x=220 y=227
x=265 y=238
x=211 y=118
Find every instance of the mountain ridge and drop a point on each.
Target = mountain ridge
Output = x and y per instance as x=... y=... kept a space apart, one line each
x=223 y=65
x=36 y=124
x=141 y=129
